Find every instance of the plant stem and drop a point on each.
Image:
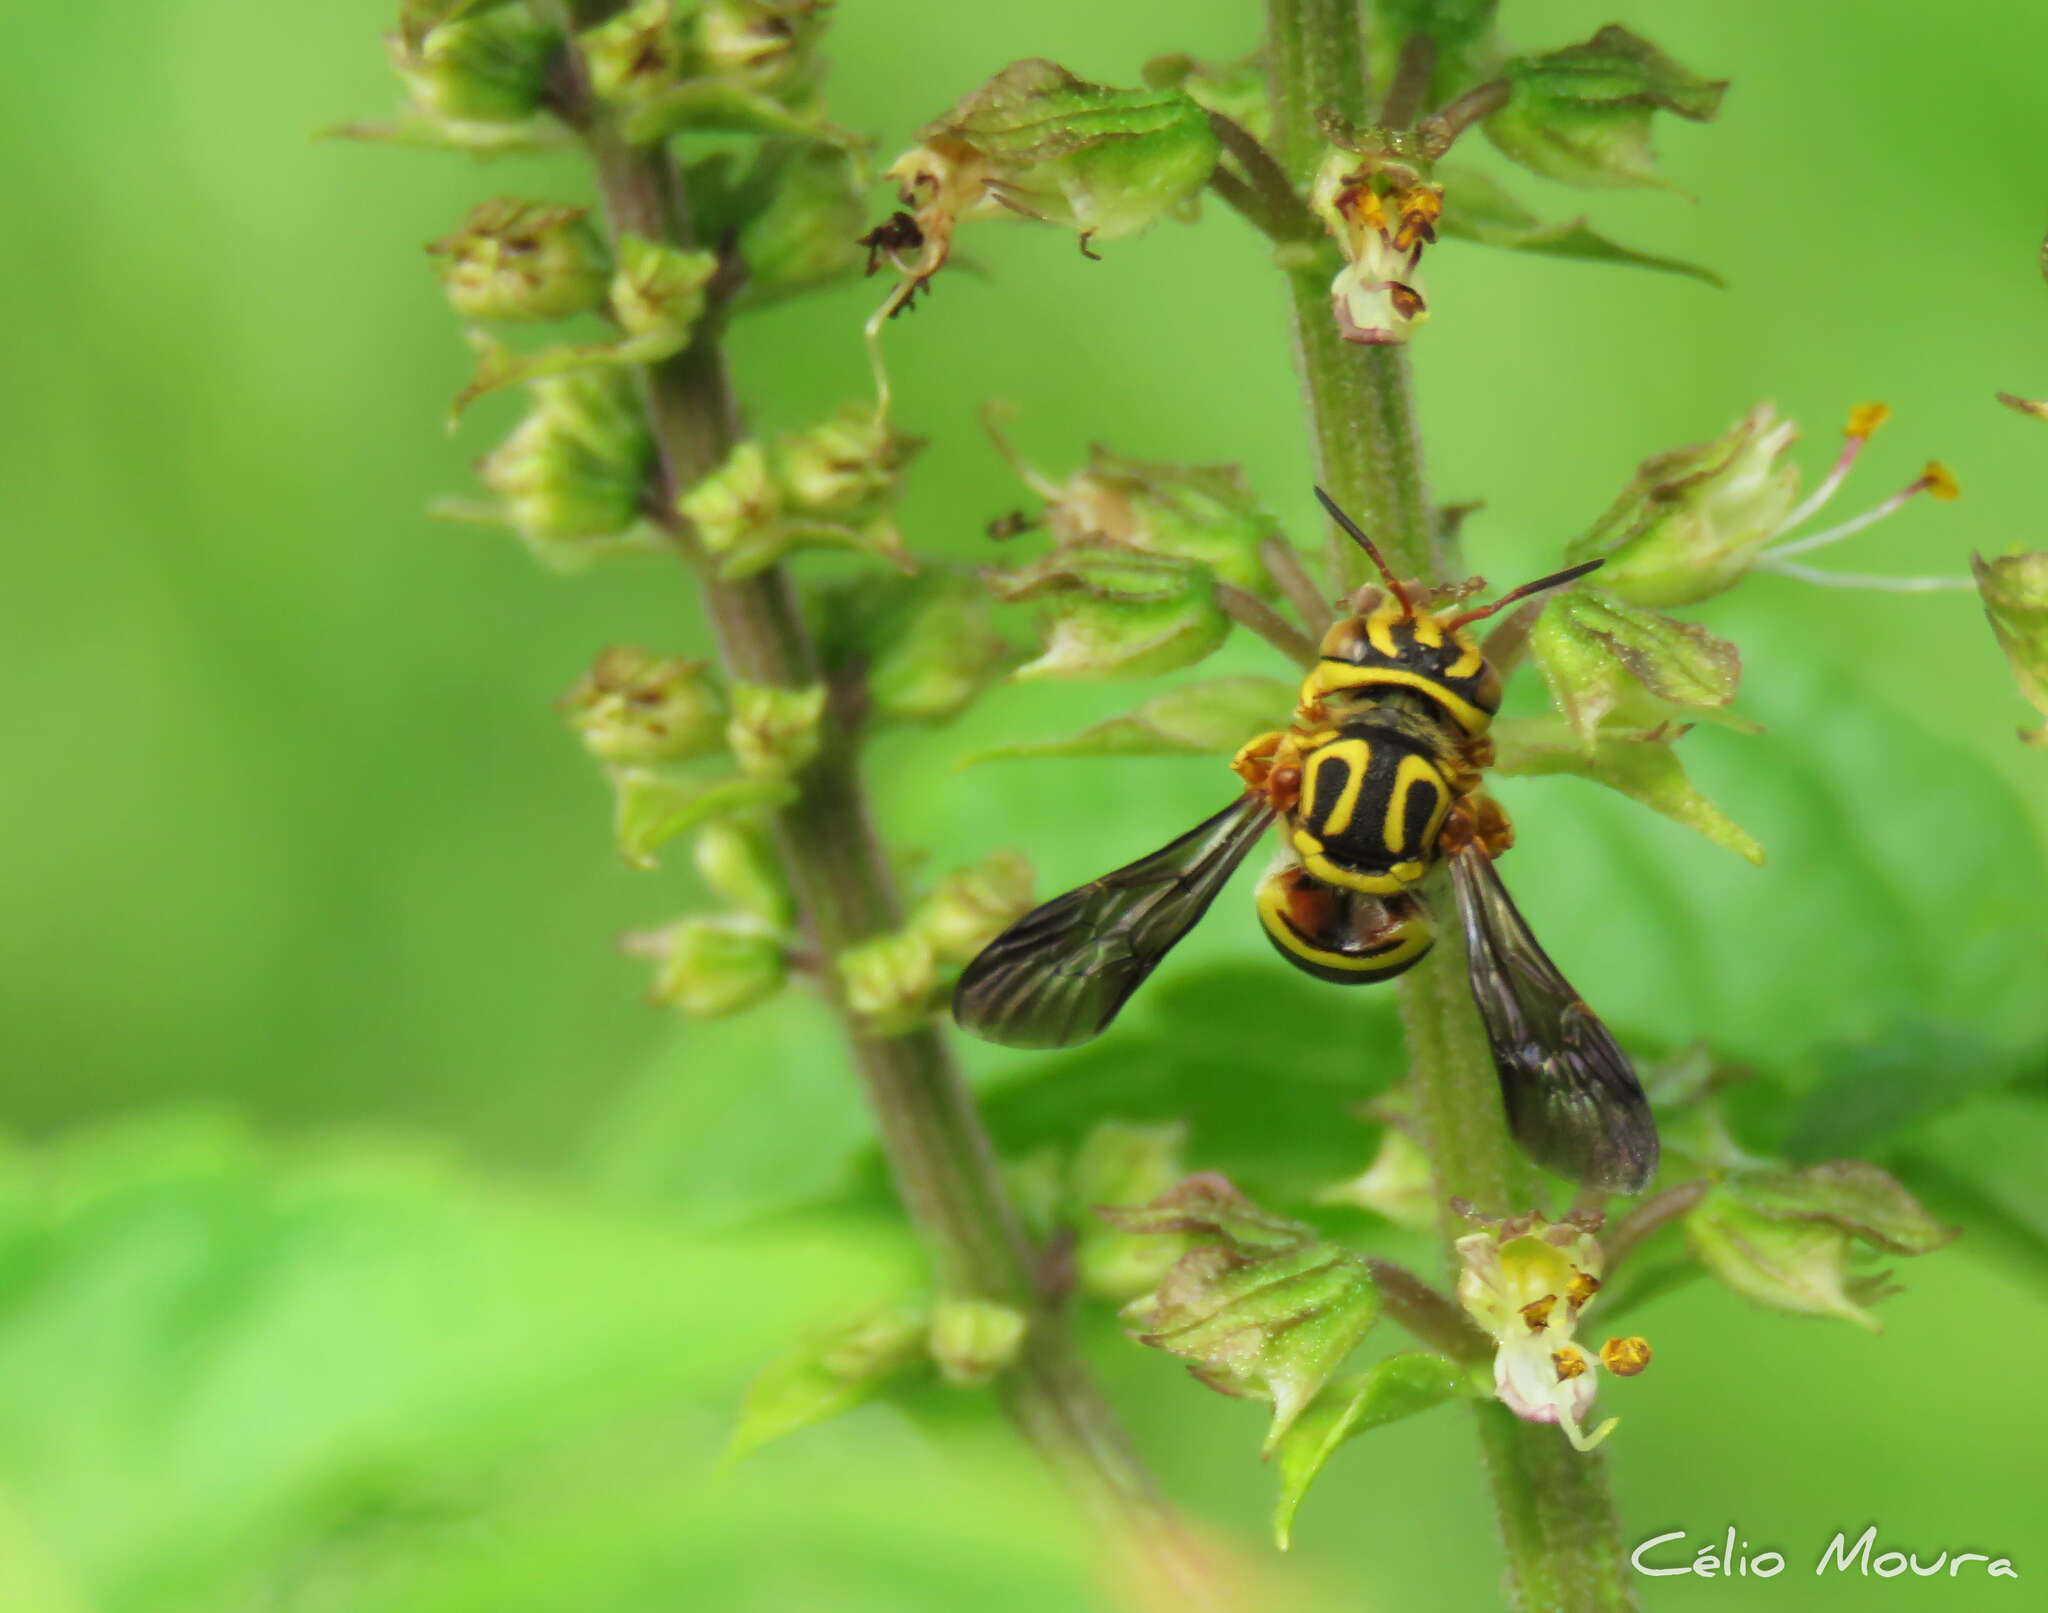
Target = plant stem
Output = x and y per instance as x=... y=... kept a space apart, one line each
x=939 y=1154
x=1557 y=1523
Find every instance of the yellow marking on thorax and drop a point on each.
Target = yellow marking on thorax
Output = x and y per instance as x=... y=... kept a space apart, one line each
x=1412 y=771
x=1330 y=677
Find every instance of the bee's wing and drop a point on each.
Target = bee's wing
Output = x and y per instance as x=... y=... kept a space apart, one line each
x=1573 y=1100
x=1060 y=973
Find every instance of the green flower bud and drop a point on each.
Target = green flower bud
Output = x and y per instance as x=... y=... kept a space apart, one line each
x=1398 y=1184
x=1117 y=613
x=659 y=292
x=485 y=69
x=831 y=1374
x=765 y=44
x=891 y=982
x=1694 y=520
x=1582 y=114
x=523 y=260
x=846 y=466
x=713 y=967
x=738 y=862
x=735 y=507
x=775 y=732
x=930 y=648
x=577 y=466
x=1604 y=658
x=639 y=53
x=1260 y=1307
x=2014 y=588
x=794 y=222
x=635 y=707
x=1783 y=1238
x=1036 y=142
x=1125 y=1163
x=972 y=906
x=1201 y=513
x=975 y=1339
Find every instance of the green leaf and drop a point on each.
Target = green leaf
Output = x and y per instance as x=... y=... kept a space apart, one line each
x=1643 y=767
x=1869 y=1092
x=1210 y=718
x=831 y=1374
x=228 y=1371
x=1397 y=1387
x=1479 y=209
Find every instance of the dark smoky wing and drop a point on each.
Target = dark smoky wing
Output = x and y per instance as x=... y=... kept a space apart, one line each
x=1573 y=1100
x=1059 y=975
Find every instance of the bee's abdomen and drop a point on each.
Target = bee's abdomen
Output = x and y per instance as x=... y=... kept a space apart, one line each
x=1372 y=804
x=1343 y=936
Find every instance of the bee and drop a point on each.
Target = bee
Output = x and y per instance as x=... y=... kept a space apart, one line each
x=1374 y=785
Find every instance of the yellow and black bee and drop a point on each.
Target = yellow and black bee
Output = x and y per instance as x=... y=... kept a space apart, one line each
x=1376 y=781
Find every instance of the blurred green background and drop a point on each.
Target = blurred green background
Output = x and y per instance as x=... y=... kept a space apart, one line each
x=365 y=1244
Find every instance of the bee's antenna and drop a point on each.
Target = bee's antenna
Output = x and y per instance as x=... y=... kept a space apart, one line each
x=1555 y=580
x=1357 y=535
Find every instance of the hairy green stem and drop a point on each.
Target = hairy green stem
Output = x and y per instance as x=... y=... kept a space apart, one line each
x=939 y=1154
x=1557 y=1524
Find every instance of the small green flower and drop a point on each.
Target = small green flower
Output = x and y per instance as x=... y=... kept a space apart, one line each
x=891 y=982
x=2014 y=589
x=737 y=860
x=485 y=69
x=634 y=707
x=521 y=260
x=775 y=732
x=973 y=1340
x=971 y=906
x=711 y=968
x=658 y=294
x=577 y=466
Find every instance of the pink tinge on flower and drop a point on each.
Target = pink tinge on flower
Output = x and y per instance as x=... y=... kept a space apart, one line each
x=1527 y=1281
x=1378 y=297
x=1526 y=1377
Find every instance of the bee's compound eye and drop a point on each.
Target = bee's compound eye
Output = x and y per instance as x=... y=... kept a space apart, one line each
x=1486 y=689
x=1347 y=641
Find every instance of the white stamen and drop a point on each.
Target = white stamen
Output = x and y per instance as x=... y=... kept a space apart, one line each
x=1848 y=529
x=1771 y=560
x=1826 y=490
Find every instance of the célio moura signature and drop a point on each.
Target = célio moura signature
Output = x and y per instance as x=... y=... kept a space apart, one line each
x=1723 y=1559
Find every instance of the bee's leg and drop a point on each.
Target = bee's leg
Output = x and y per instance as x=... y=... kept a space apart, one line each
x=1477 y=819
x=1271 y=767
